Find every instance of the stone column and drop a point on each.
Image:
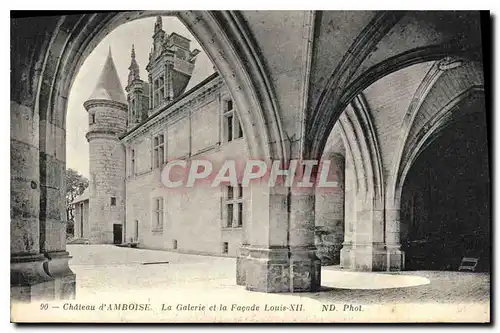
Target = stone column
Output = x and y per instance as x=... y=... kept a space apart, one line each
x=330 y=215
x=364 y=247
x=282 y=252
x=53 y=218
x=268 y=264
x=369 y=252
x=395 y=257
x=305 y=272
x=29 y=281
x=346 y=253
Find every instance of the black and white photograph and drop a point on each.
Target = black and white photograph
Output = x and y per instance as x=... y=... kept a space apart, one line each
x=251 y=166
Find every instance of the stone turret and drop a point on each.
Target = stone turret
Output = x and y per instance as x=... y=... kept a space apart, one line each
x=107 y=108
x=137 y=94
x=171 y=64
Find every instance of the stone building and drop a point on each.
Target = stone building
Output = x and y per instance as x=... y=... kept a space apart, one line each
x=132 y=137
x=396 y=99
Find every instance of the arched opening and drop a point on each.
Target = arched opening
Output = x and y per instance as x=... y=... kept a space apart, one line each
x=445 y=201
x=184 y=111
x=46 y=86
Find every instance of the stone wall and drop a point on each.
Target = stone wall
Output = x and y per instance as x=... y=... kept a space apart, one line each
x=193 y=218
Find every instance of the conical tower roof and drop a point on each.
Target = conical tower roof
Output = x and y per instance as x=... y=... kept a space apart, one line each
x=109 y=86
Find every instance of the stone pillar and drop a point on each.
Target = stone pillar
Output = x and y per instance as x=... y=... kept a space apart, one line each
x=53 y=217
x=29 y=280
x=346 y=253
x=281 y=255
x=305 y=272
x=395 y=257
x=268 y=265
x=364 y=247
x=330 y=215
x=369 y=250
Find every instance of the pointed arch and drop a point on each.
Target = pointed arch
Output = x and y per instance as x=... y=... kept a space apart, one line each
x=329 y=114
x=226 y=41
x=430 y=111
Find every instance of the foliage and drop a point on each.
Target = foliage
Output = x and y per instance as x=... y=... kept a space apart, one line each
x=75 y=186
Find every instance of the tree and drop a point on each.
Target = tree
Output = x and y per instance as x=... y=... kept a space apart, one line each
x=75 y=185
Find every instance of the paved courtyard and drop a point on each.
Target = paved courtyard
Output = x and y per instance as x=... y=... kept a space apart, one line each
x=123 y=274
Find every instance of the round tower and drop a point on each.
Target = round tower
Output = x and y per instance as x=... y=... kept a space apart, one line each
x=107 y=110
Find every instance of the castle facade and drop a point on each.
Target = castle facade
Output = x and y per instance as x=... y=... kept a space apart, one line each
x=133 y=134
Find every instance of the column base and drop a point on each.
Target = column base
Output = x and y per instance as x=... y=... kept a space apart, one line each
x=327 y=246
x=276 y=270
x=347 y=256
x=28 y=279
x=395 y=258
x=371 y=257
x=64 y=278
x=241 y=265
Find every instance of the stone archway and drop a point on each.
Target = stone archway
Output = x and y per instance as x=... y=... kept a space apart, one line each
x=451 y=76
x=445 y=199
x=428 y=114
x=39 y=261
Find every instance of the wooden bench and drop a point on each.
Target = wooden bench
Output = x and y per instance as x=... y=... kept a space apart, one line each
x=468 y=264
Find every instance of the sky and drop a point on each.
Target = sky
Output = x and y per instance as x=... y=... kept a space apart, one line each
x=120 y=40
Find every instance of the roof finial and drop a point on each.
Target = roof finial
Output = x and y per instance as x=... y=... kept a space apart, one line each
x=158 y=24
x=133 y=68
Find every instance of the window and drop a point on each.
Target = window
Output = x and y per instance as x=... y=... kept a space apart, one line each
x=92 y=118
x=174 y=244
x=230 y=215
x=132 y=108
x=158 y=151
x=132 y=162
x=239 y=220
x=136 y=230
x=225 y=247
x=232 y=127
x=157 y=214
x=158 y=91
x=113 y=201
x=233 y=217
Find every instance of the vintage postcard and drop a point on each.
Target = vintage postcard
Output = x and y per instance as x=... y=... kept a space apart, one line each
x=315 y=166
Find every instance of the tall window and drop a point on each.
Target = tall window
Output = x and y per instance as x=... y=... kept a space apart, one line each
x=232 y=127
x=233 y=217
x=158 y=214
x=92 y=118
x=132 y=108
x=136 y=230
x=158 y=150
x=158 y=91
x=132 y=162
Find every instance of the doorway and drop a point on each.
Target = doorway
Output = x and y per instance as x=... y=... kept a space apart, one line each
x=117 y=233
